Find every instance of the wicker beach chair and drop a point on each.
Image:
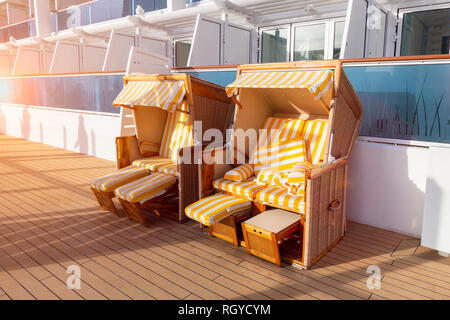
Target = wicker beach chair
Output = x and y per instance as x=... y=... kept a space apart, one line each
x=151 y=176
x=297 y=169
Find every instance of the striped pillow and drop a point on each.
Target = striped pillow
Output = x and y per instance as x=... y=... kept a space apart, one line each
x=240 y=173
x=282 y=155
x=296 y=178
x=266 y=176
x=292 y=179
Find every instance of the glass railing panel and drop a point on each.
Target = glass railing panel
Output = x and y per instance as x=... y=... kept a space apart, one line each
x=92 y=93
x=222 y=78
x=100 y=11
x=404 y=101
x=20 y=30
x=150 y=5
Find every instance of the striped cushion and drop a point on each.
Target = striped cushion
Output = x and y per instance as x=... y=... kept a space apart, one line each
x=151 y=163
x=240 y=173
x=168 y=168
x=275 y=129
x=296 y=175
x=118 y=178
x=177 y=134
x=244 y=189
x=158 y=164
x=211 y=210
x=281 y=155
x=265 y=176
x=315 y=135
x=145 y=188
x=280 y=198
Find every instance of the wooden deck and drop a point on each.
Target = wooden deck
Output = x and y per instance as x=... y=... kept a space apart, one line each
x=49 y=221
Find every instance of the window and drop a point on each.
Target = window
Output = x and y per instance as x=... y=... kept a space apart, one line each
x=425 y=32
x=309 y=42
x=302 y=41
x=182 y=48
x=274 y=44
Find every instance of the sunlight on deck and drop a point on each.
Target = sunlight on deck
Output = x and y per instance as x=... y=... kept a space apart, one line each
x=49 y=220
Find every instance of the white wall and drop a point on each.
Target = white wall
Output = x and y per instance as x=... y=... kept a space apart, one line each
x=386 y=186
x=88 y=133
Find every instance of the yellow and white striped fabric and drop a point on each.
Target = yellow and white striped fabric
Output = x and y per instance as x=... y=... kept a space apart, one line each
x=316 y=81
x=158 y=164
x=245 y=189
x=296 y=175
x=152 y=163
x=118 y=178
x=280 y=198
x=295 y=180
x=315 y=136
x=279 y=129
x=177 y=134
x=211 y=210
x=282 y=155
x=240 y=173
x=266 y=176
x=145 y=188
x=168 y=168
x=162 y=94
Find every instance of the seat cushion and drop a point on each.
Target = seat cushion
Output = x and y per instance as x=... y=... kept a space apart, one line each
x=145 y=188
x=168 y=168
x=158 y=164
x=211 y=210
x=245 y=189
x=315 y=136
x=281 y=198
x=118 y=178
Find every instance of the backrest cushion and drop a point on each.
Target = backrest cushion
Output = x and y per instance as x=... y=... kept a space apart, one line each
x=280 y=129
x=177 y=134
x=315 y=135
x=282 y=155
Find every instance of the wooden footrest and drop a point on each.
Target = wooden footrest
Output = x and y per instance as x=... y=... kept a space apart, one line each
x=221 y=215
x=215 y=208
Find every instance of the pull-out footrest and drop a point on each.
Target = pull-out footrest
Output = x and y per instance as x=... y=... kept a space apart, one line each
x=221 y=214
x=147 y=193
x=103 y=187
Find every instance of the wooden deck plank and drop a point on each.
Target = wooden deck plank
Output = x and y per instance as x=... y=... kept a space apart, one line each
x=60 y=289
x=49 y=220
x=12 y=287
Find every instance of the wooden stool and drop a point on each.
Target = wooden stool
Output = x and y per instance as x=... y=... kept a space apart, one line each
x=263 y=232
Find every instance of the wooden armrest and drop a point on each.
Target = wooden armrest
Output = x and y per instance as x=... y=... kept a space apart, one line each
x=316 y=172
x=126 y=138
x=153 y=144
x=127 y=151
